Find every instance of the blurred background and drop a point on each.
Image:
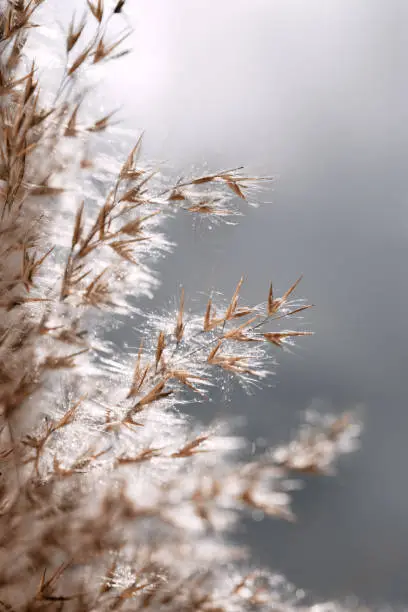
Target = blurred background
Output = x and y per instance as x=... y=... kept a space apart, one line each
x=316 y=93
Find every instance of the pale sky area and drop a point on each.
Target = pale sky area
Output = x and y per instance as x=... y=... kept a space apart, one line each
x=314 y=91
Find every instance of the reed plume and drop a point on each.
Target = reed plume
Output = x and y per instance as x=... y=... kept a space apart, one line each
x=110 y=497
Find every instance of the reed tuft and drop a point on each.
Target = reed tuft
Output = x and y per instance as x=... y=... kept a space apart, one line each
x=110 y=497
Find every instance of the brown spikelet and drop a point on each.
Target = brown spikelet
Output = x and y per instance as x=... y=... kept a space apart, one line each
x=238 y=333
x=134 y=227
x=210 y=318
x=109 y=576
x=248 y=497
x=179 y=329
x=177 y=195
x=102 y=221
x=154 y=394
x=139 y=373
x=184 y=377
x=213 y=353
x=68 y=417
x=96 y=9
x=235 y=187
x=207 y=208
x=242 y=312
x=271 y=304
x=204 y=179
x=119 y=6
x=82 y=57
x=191 y=448
x=300 y=309
x=144 y=455
x=89 y=456
x=30 y=85
x=7 y=86
x=41 y=116
x=236 y=364
x=234 y=301
x=46 y=587
x=97 y=292
x=291 y=289
x=31 y=266
x=52 y=362
x=103 y=50
x=277 y=338
x=74 y=32
x=128 y=169
x=46 y=190
x=275 y=304
x=207 y=316
x=132 y=195
x=101 y=124
x=124 y=248
x=160 y=348
x=76 y=235
x=71 y=129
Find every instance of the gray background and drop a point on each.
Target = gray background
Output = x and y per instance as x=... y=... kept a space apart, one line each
x=316 y=92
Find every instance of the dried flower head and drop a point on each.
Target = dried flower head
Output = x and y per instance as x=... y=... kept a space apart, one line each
x=110 y=498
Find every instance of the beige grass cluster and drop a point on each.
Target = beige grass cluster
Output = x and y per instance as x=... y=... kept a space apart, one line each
x=110 y=498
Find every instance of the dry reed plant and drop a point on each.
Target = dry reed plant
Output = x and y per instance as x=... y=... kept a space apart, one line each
x=110 y=499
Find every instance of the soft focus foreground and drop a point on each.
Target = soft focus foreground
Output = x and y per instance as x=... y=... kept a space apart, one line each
x=110 y=497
